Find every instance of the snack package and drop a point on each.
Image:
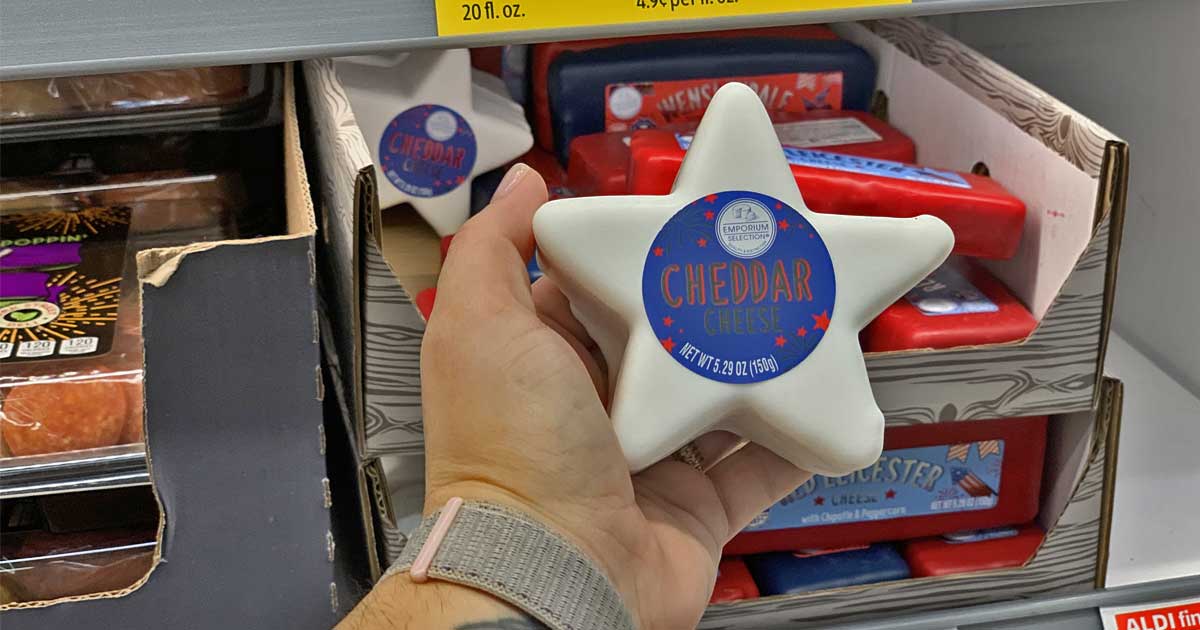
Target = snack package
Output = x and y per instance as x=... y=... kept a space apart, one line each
x=29 y=100
x=70 y=311
x=43 y=566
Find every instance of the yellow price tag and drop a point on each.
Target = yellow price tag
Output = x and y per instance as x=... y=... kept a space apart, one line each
x=474 y=17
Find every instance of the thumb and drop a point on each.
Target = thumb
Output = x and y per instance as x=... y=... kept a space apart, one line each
x=485 y=266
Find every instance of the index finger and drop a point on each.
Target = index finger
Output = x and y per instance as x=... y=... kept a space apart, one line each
x=487 y=258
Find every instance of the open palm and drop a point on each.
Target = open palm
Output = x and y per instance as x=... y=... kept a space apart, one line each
x=514 y=393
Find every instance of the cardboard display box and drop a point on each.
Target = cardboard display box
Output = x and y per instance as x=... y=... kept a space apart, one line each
x=239 y=457
x=962 y=110
x=1077 y=490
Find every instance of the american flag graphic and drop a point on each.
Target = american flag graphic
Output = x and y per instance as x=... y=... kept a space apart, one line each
x=990 y=447
x=958 y=451
x=971 y=484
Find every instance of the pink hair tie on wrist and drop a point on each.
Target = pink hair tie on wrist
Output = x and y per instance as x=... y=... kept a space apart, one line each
x=419 y=572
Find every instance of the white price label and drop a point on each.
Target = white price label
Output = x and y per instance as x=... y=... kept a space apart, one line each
x=6 y=349
x=41 y=348
x=79 y=345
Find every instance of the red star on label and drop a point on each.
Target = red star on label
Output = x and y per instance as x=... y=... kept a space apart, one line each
x=702 y=242
x=780 y=341
x=709 y=215
x=658 y=251
x=710 y=198
x=822 y=321
x=784 y=225
x=778 y=206
x=891 y=494
x=801 y=332
x=667 y=321
x=669 y=344
x=819 y=501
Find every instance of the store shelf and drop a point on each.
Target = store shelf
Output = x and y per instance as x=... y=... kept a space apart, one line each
x=1158 y=471
x=76 y=37
x=92 y=469
x=1073 y=612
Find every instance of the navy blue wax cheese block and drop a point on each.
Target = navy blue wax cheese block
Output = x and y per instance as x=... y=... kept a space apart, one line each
x=484 y=186
x=578 y=80
x=788 y=573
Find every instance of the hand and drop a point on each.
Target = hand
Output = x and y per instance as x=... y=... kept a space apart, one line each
x=514 y=394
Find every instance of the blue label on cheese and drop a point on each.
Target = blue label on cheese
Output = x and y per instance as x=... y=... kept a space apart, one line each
x=738 y=287
x=865 y=166
x=427 y=151
x=947 y=292
x=903 y=483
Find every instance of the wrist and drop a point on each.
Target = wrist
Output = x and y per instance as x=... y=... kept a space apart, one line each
x=503 y=535
x=581 y=527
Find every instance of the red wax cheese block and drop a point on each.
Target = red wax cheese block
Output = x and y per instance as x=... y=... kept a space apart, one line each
x=488 y=59
x=959 y=304
x=965 y=552
x=986 y=219
x=599 y=163
x=425 y=299
x=734 y=582
x=548 y=167
x=542 y=55
x=931 y=479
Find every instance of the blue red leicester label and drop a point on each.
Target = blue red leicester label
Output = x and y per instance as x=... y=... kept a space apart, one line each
x=739 y=287
x=427 y=151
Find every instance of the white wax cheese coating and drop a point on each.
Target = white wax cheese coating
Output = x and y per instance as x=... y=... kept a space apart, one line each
x=469 y=129
x=786 y=371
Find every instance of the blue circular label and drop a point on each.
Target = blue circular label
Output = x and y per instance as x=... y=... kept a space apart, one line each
x=739 y=287
x=427 y=151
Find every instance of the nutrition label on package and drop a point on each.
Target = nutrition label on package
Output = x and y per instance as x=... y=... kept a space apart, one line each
x=456 y=17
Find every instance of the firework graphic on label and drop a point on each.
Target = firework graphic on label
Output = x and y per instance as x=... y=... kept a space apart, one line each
x=970 y=484
x=60 y=281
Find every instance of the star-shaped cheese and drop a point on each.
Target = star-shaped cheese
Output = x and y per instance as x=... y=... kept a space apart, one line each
x=727 y=304
x=431 y=130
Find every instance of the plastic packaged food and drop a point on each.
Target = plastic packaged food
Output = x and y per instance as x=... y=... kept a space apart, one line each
x=43 y=566
x=599 y=163
x=959 y=304
x=987 y=220
x=789 y=573
x=37 y=99
x=133 y=101
x=542 y=56
x=931 y=479
x=646 y=85
x=70 y=312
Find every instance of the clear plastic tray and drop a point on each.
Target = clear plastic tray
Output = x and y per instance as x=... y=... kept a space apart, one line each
x=70 y=312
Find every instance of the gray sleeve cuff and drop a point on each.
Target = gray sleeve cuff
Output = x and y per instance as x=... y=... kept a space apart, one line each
x=516 y=558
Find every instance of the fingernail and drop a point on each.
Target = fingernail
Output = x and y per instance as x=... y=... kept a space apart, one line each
x=511 y=179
